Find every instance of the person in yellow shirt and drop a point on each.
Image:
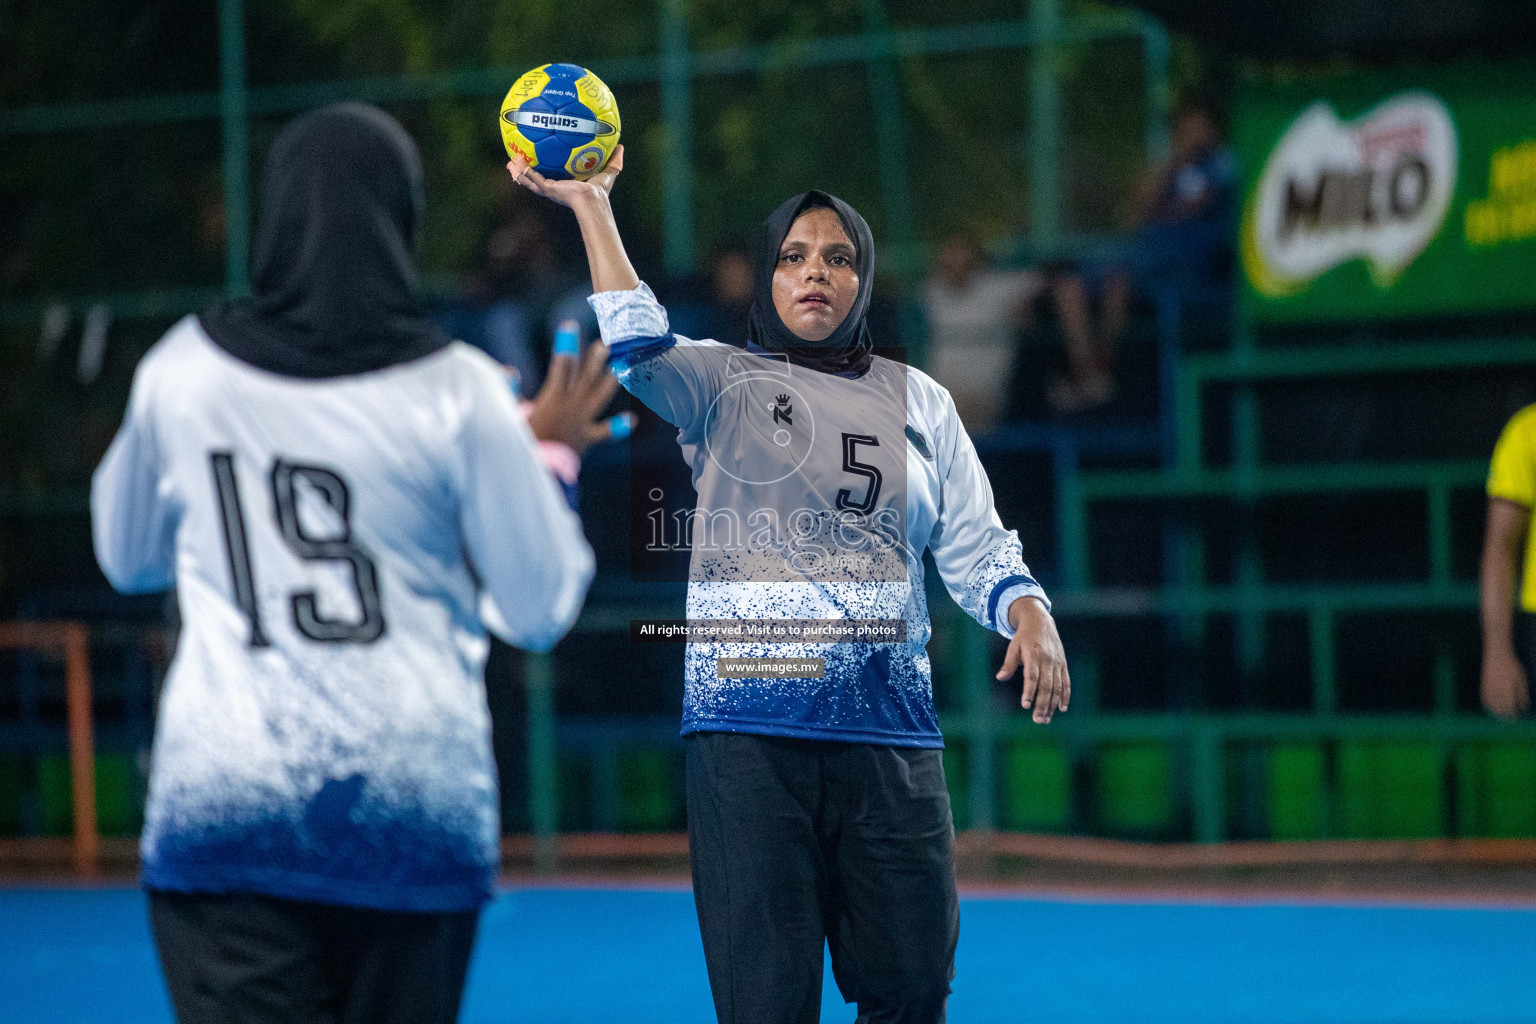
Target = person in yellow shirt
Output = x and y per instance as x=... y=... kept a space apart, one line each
x=1509 y=639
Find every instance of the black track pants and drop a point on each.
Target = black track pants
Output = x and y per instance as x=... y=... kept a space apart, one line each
x=236 y=958
x=799 y=842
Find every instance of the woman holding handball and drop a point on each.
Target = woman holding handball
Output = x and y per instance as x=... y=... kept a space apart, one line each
x=817 y=809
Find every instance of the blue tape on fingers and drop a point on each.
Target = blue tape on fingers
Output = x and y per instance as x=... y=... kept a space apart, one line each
x=568 y=339
x=622 y=425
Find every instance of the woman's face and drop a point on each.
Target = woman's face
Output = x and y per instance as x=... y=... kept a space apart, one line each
x=815 y=280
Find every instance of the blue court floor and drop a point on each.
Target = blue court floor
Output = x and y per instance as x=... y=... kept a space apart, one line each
x=551 y=956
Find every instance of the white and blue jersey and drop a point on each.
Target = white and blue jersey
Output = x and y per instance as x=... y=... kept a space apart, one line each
x=817 y=496
x=339 y=548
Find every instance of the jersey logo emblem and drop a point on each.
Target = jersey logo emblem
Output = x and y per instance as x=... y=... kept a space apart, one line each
x=919 y=442
x=782 y=409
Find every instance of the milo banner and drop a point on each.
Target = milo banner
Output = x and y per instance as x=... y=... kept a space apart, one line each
x=1389 y=195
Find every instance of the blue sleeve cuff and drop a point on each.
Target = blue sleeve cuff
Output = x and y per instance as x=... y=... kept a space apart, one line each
x=1008 y=590
x=624 y=354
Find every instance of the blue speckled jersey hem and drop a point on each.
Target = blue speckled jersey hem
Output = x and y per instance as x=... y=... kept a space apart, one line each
x=293 y=885
x=926 y=741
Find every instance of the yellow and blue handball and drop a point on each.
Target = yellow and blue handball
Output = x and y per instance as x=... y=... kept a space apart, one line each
x=562 y=119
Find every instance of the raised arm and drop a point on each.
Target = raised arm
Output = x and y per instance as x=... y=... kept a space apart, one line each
x=681 y=377
x=588 y=200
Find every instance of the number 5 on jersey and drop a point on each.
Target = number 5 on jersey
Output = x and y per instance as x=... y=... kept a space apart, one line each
x=851 y=464
x=307 y=619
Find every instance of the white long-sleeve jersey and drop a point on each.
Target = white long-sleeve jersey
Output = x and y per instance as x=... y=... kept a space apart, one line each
x=339 y=548
x=817 y=496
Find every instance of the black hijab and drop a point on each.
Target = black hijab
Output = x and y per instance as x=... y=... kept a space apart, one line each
x=334 y=283
x=847 y=349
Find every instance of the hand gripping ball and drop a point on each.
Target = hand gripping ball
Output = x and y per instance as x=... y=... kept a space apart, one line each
x=562 y=119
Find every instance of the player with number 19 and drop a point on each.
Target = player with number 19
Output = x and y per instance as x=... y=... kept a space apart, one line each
x=345 y=501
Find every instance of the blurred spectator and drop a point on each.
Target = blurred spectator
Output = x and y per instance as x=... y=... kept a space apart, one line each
x=1182 y=214
x=716 y=307
x=511 y=297
x=18 y=258
x=731 y=287
x=973 y=313
x=209 y=227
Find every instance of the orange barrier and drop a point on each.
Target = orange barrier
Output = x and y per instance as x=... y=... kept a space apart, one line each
x=72 y=641
x=582 y=846
x=1108 y=853
x=1493 y=866
x=1114 y=853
